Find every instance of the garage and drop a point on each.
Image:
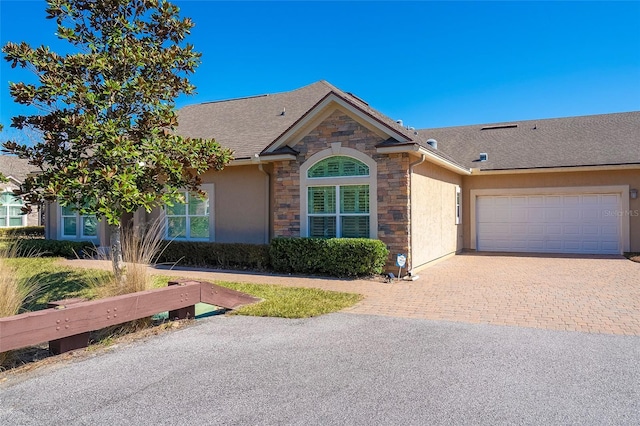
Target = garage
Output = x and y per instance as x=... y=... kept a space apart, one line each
x=587 y=223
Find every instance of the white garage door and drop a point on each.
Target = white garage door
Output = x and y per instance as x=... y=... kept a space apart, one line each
x=572 y=223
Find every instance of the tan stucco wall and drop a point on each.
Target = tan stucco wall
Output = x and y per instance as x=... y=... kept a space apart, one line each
x=240 y=204
x=551 y=180
x=241 y=209
x=434 y=233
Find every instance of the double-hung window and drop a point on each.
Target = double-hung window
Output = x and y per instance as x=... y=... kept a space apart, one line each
x=77 y=226
x=10 y=210
x=189 y=220
x=341 y=209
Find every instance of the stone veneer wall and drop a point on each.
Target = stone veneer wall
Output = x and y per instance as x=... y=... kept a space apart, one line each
x=393 y=182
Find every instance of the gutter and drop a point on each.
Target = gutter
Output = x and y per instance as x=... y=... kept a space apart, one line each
x=430 y=156
x=267 y=213
x=562 y=169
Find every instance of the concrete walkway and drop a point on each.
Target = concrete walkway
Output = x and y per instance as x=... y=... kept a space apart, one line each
x=588 y=294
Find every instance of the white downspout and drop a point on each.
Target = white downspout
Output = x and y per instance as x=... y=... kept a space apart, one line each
x=267 y=212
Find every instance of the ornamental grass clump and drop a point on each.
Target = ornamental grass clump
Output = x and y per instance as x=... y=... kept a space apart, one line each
x=15 y=291
x=141 y=247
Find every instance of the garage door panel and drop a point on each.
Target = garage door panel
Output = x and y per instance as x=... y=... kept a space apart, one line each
x=610 y=230
x=552 y=214
x=610 y=246
x=567 y=223
x=536 y=214
x=519 y=214
x=570 y=214
x=519 y=228
x=572 y=230
x=536 y=229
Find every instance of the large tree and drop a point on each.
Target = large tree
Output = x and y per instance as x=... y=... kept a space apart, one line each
x=106 y=112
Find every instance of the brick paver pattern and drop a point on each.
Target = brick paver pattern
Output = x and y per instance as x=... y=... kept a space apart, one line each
x=588 y=294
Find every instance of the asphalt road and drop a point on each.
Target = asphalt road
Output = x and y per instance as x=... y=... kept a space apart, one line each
x=339 y=369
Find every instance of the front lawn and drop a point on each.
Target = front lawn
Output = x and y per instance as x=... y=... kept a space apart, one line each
x=61 y=282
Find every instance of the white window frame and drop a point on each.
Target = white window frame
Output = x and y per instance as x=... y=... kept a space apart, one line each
x=370 y=180
x=338 y=214
x=458 y=205
x=7 y=207
x=79 y=234
x=209 y=190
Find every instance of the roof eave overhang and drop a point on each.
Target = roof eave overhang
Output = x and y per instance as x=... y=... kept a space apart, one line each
x=261 y=159
x=563 y=169
x=325 y=102
x=429 y=156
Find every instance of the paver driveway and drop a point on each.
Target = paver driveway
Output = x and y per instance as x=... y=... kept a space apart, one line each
x=591 y=294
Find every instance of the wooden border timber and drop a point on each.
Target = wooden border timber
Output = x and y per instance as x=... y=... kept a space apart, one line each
x=32 y=328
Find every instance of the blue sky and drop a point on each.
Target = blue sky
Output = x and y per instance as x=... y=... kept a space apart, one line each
x=431 y=64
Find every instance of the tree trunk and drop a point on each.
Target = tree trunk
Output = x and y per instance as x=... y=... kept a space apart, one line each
x=119 y=267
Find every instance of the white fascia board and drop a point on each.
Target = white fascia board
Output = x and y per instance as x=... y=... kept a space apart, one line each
x=333 y=98
x=556 y=169
x=429 y=156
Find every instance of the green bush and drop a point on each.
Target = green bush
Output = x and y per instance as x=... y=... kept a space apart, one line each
x=216 y=255
x=55 y=248
x=341 y=257
x=22 y=232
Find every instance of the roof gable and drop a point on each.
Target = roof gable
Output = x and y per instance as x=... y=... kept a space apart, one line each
x=325 y=107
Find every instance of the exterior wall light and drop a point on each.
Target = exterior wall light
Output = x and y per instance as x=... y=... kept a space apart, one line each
x=633 y=193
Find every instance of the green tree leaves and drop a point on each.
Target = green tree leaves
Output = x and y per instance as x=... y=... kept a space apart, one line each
x=107 y=112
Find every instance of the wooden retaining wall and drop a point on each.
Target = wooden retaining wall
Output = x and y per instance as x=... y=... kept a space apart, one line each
x=78 y=318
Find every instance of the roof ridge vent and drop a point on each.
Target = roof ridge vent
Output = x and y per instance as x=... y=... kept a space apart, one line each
x=500 y=126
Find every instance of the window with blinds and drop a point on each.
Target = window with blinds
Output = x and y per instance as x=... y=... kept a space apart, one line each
x=347 y=219
x=338 y=166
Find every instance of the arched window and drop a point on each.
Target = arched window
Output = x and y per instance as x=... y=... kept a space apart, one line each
x=338 y=201
x=10 y=210
x=338 y=166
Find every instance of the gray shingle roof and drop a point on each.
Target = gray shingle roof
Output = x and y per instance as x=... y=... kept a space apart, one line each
x=15 y=167
x=249 y=125
x=606 y=139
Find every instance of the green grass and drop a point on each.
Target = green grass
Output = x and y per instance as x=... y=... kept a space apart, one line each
x=57 y=282
x=61 y=282
x=291 y=302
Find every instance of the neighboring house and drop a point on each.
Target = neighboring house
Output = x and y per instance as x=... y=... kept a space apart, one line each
x=321 y=162
x=15 y=170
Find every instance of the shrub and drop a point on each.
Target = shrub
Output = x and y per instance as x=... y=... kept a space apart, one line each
x=342 y=257
x=217 y=255
x=55 y=248
x=22 y=232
